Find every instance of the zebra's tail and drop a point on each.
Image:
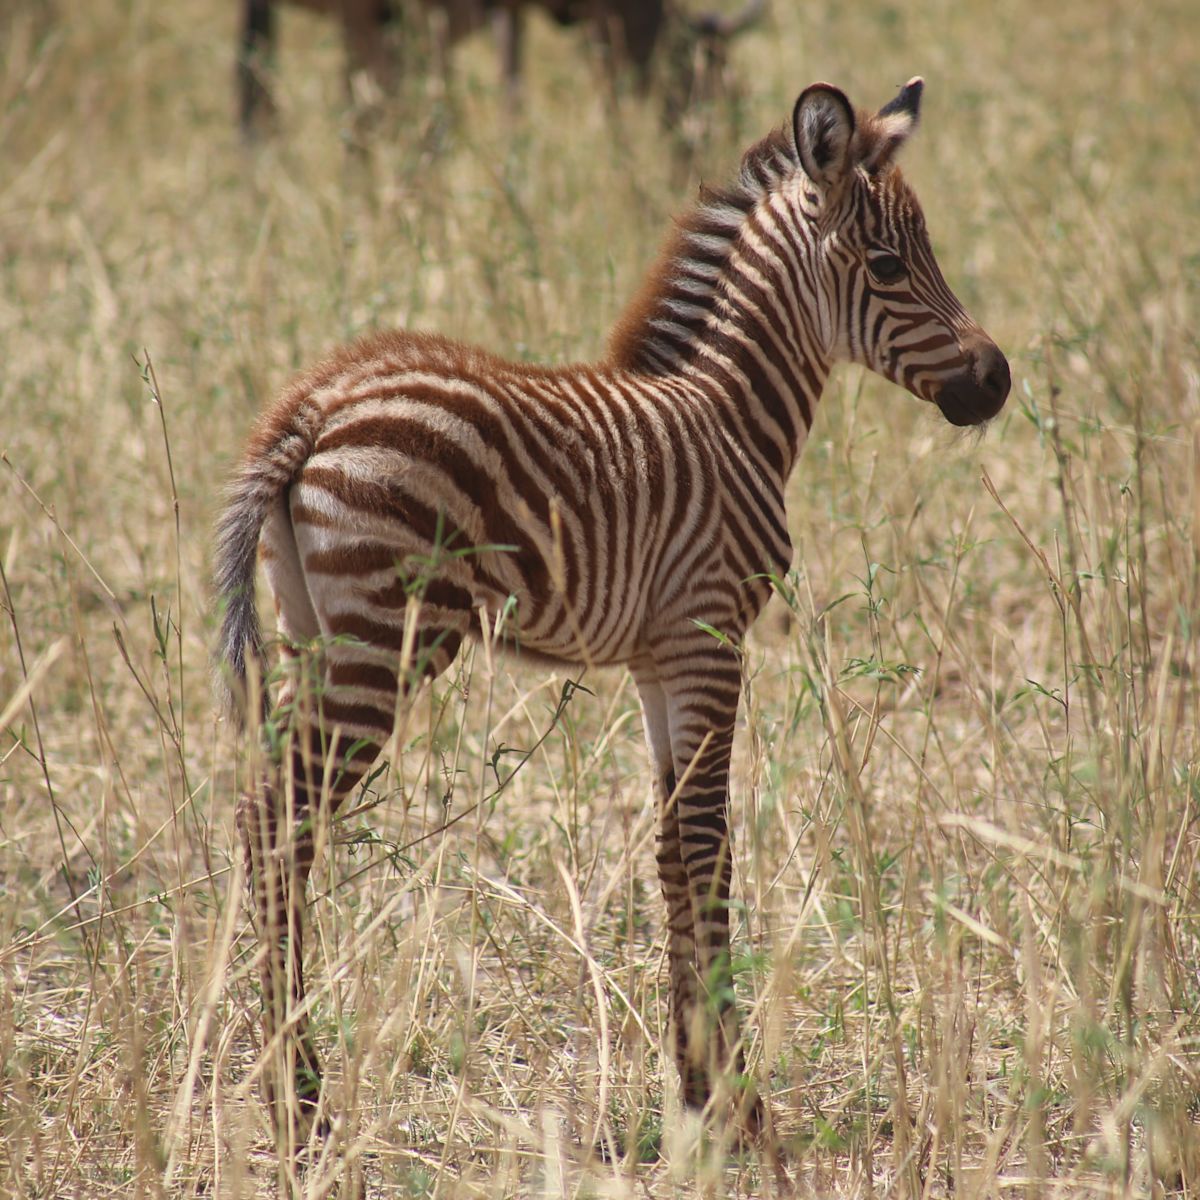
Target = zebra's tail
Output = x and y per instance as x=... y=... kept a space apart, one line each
x=277 y=451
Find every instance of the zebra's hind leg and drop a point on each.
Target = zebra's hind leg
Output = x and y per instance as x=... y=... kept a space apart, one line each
x=328 y=736
x=278 y=826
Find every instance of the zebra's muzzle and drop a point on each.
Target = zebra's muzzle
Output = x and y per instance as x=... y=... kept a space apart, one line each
x=978 y=393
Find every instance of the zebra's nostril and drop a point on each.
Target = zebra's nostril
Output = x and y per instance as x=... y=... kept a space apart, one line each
x=994 y=377
x=997 y=380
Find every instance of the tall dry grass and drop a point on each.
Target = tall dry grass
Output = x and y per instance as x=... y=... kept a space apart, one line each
x=965 y=794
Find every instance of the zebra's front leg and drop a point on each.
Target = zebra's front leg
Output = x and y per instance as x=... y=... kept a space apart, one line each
x=672 y=876
x=701 y=700
x=689 y=1042
x=702 y=816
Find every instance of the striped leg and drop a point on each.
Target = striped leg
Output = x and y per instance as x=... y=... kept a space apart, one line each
x=672 y=875
x=332 y=732
x=277 y=828
x=701 y=686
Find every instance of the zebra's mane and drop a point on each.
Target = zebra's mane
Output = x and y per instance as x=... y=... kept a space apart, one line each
x=661 y=323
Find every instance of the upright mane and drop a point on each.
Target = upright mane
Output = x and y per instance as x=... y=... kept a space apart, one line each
x=674 y=302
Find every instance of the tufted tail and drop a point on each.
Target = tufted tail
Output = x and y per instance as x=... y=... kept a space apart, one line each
x=278 y=450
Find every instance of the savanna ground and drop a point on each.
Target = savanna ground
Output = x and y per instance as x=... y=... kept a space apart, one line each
x=965 y=793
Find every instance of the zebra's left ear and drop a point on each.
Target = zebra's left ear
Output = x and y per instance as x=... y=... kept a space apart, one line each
x=882 y=136
x=823 y=126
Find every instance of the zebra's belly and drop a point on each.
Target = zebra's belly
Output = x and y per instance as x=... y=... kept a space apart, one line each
x=552 y=628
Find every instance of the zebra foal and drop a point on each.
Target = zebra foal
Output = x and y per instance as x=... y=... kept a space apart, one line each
x=622 y=511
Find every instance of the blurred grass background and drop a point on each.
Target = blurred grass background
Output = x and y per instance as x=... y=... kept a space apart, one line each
x=966 y=791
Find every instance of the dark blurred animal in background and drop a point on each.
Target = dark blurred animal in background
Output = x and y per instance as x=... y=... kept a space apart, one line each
x=627 y=34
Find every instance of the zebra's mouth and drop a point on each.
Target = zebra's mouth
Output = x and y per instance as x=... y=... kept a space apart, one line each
x=961 y=407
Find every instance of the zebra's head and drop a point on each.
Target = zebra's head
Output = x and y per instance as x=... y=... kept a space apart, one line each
x=888 y=306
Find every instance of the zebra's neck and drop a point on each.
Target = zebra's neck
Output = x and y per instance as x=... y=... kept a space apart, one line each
x=725 y=308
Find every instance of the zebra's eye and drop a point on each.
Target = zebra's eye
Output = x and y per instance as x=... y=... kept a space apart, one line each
x=886 y=268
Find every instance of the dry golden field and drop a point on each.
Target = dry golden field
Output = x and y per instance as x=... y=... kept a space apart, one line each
x=967 y=787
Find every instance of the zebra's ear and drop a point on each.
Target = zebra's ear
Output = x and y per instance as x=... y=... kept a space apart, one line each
x=823 y=126
x=890 y=128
